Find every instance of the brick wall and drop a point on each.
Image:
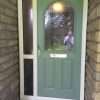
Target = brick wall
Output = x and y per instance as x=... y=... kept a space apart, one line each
x=9 y=74
x=93 y=52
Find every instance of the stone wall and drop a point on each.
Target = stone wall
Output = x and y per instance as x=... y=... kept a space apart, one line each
x=92 y=86
x=9 y=74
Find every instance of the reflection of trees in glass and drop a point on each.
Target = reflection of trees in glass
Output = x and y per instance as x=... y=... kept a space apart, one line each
x=57 y=25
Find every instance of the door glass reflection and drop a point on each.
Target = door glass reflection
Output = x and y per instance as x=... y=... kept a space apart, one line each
x=59 y=27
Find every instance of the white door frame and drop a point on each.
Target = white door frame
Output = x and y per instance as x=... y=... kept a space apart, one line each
x=34 y=55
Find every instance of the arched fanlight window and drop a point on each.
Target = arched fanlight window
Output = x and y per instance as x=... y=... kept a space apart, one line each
x=59 y=26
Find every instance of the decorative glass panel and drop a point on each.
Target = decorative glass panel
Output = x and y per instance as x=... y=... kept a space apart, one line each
x=27 y=27
x=28 y=77
x=59 y=27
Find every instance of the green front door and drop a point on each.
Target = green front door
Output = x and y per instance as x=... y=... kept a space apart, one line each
x=59 y=66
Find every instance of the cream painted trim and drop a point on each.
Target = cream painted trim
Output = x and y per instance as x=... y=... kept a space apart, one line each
x=28 y=56
x=84 y=27
x=20 y=23
x=20 y=29
x=34 y=3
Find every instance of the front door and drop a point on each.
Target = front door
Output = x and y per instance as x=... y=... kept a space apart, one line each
x=59 y=48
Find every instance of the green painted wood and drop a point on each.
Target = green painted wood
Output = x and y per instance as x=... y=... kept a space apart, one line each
x=60 y=77
x=67 y=74
x=49 y=73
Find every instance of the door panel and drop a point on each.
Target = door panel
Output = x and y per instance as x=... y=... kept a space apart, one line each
x=67 y=74
x=59 y=77
x=49 y=73
x=55 y=77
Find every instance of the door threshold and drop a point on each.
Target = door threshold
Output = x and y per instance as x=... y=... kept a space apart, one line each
x=42 y=98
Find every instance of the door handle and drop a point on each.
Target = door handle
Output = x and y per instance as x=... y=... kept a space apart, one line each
x=38 y=53
x=40 y=48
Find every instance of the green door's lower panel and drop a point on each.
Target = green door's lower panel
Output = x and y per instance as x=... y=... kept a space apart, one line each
x=55 y=78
